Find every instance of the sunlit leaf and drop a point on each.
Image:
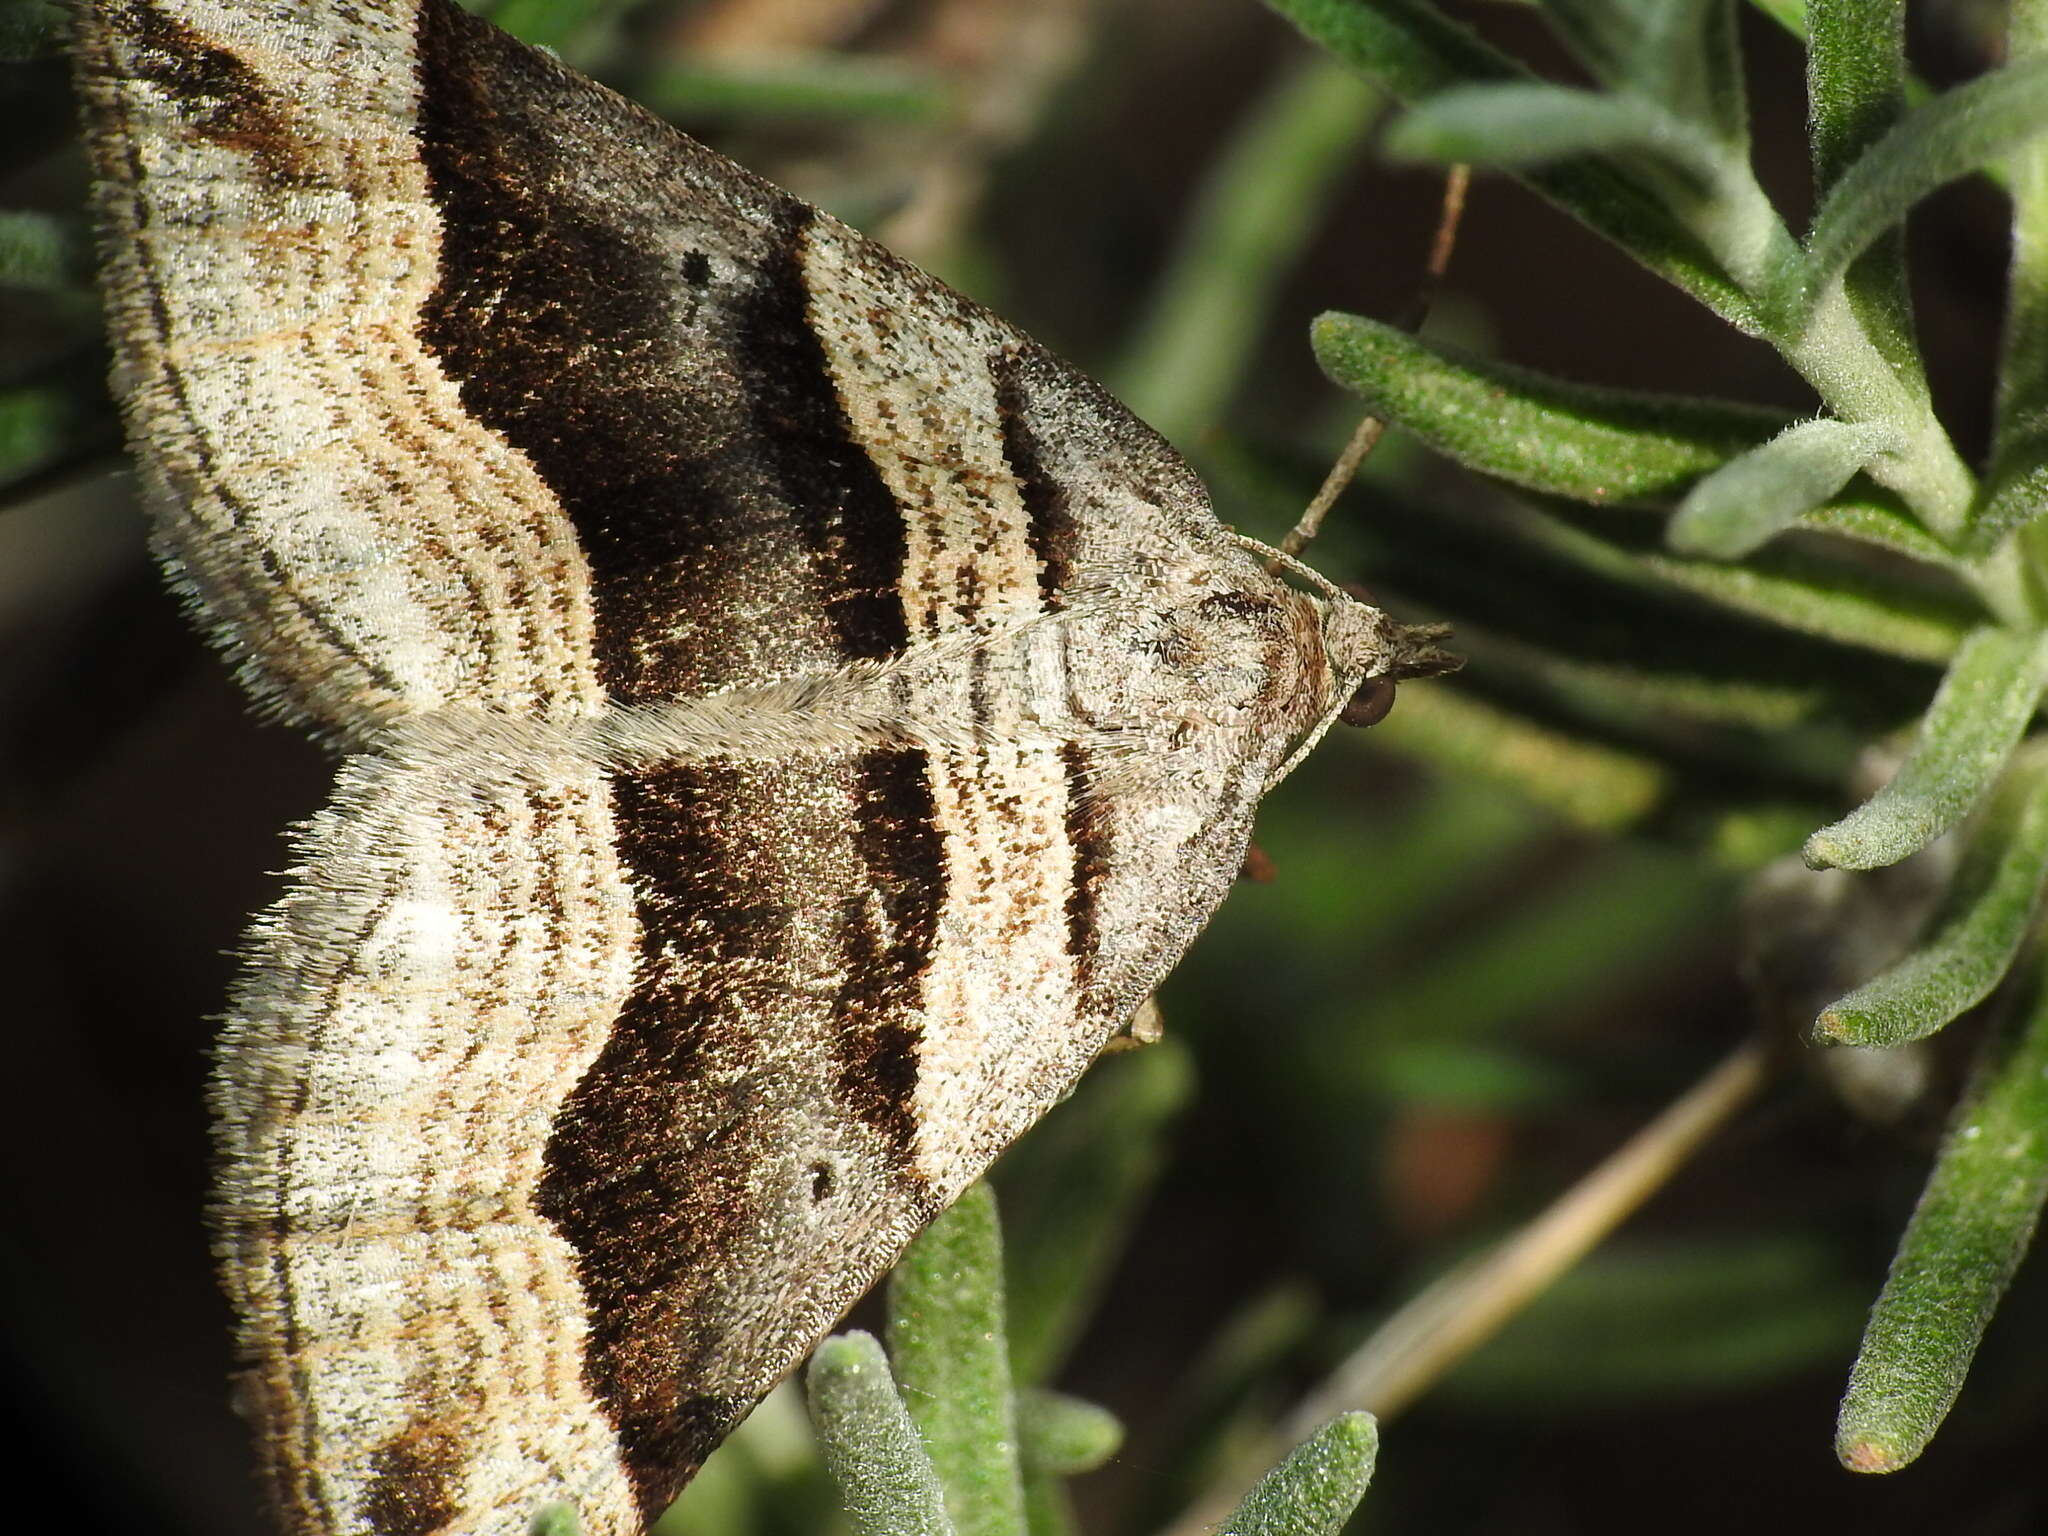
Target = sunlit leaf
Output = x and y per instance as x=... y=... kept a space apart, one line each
x=872 y=1449
x=1990 y=693
x=952 y=1357
x=1972 y=1227
x=1976 y=936
x=1950 y=136
x=1549 y=434
x=1314 y=1491
x=1758 y=495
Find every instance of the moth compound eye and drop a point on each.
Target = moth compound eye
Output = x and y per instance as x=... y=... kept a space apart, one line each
x=1370 y=704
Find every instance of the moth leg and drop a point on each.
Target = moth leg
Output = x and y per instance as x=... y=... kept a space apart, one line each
x=1146 y=1026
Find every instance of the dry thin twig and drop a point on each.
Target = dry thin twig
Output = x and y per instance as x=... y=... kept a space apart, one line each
x=1367 y=435
x=1452 y=1317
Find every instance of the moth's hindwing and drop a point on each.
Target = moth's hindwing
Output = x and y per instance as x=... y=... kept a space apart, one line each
x=796 y=721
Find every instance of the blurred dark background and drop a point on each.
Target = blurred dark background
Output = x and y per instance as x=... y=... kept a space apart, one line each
x=1447 y=1005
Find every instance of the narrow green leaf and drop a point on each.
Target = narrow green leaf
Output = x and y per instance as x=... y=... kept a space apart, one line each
x=1413 y=51
x=830 y=86
x=1856 y=90
x=1718 y=1311
x=952 y=1356
x=556 y=24
x=37 y=423
x=1968 y=1234
x=1524 y=125
x=1702 y=70
x=1784 y=587
x=1990 y=693
x=1063 y=1435
x=1253 y=216
x=1314 y=1491
x=1753 y=498
x=1068 y=1191
x=30 y=29
x=1589 y=784
x=36 y=250
x=1975 y=937
x=1952 y=135
x=1548 y=434
x=1603 y=35
x=1408 y=46
x=2016 y=486
x=869 y=1444
x=1789 y=14
x=1872 y=515
x=1680 y=53
x=1855 y=80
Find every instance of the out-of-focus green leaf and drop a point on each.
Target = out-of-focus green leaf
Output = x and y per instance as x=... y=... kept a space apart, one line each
x=1873 y=516
x=1314 y=1491
x=1720 y=1314
x=1257 y=209
x=952 y=1355
x=554 y=1520
x=869 y=1444
x=1594 y=786
x=1752 y=498
x=831 y=85
x=1968 y=1234
x=38 y=423
x=1064 y=1435
x=1069 y=1189
x=1825 y=599
x=1581 y=938
x=1593 y=445
x=2016 y=487
x=30 y=29
x=1534 y=124
x=556 y=24
x=1990 y=693
x=1950 y=136
x=35 y=250
x=1681 y=54
x=1413 y=51
x=1408 y=46
x=1976 y=935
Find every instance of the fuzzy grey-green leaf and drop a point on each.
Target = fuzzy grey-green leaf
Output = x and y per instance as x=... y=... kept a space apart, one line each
x=1973 y=940
x=1313 y=1491
x=1830 y=599
x=873 y=1451
x=1972 y=1227
x=1063 y=1435
x=1761 y=493
x=1990 y=693
x=1534 y=124
x=2016 y=485
x=952 y=1357
x=1548 y=434
x=1933 y=144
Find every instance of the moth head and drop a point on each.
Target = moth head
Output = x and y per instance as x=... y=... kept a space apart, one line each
x=1366 y=654
x=1370 y=653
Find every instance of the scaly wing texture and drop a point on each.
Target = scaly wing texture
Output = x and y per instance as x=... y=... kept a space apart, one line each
x=566 y=1103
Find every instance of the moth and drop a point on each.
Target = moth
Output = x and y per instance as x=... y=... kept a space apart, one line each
x=789 y=723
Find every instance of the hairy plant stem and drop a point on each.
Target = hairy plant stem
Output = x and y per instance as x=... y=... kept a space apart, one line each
x=1836 y=356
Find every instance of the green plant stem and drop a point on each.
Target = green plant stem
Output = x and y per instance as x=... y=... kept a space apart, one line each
x=1836 y=355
